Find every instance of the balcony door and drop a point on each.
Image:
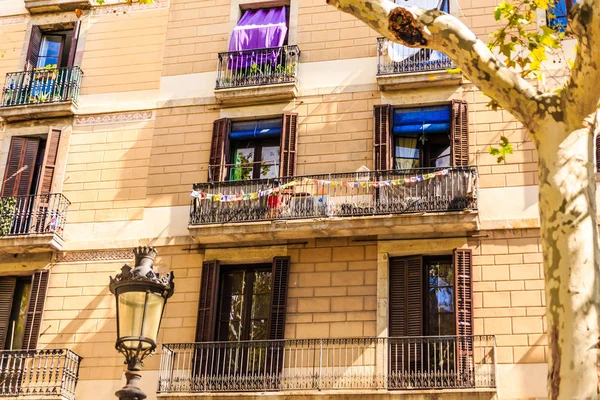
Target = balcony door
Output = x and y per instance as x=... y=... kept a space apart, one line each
x=27 y=185
x=429 y=305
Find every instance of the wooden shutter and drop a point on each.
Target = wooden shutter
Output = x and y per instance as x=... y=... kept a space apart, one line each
x=33 y=51
x=74 y=40
x=406 y=296
x=464 y=313
x=280 y=277
x=35 y=308
x=289 y=142
x=460 y=133
x=22 y=154
x=219 y=150
x=382 y=137
x=207 y=305
x=7 y=292
x=49 y=163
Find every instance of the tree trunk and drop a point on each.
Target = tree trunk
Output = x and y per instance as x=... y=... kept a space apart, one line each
x=570 y=246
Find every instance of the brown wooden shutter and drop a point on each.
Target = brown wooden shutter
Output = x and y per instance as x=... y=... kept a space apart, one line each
x=74 y=40
x=207 y=305
x=219 y=150
x=35 y=308
x=406 y=296
x=280 y=277
x=460 y=133
x=7 y=292
x=33 y=51
x=382 y=137
x=289 y=143
x=464 y=312
x=49 y=163
x=22 y=154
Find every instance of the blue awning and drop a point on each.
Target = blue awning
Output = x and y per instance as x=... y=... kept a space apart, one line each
x=418 y=120
x=261 y=129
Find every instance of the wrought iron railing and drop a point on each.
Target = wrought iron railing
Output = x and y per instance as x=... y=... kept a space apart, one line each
x=52 y=372
x=393 y=58
x=433 y=362
x=34 y=214
x=258 y=67
x=336 y=195
x=41 y=86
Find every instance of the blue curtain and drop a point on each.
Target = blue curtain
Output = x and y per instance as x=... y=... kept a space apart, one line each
x=416 y=121
x=261 y=129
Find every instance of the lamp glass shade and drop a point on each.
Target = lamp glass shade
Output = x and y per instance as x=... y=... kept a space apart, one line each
x=134 y=322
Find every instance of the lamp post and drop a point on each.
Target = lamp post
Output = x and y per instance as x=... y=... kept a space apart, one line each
x=141 y=296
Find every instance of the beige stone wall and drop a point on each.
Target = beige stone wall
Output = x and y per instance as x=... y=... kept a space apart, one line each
x=12 y=37
x=123 y=51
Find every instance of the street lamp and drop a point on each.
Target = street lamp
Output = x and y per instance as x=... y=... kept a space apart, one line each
x=141 y=296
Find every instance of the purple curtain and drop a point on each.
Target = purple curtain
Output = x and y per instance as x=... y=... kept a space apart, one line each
x=258 y=29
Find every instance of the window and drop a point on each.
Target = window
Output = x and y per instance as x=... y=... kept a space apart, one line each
x=244 y=303
x=421 y=137
x=260 y=28
x=49 y=48
x=256 y=149
x=558 y=14
x=21 y=305
x=242 y=150
x=441 y=317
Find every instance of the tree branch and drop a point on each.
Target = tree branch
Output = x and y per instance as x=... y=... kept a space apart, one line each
x=434 y=29
x=581 y=96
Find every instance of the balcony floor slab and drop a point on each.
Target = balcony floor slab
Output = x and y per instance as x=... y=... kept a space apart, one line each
x=45 y=6
x=441 y=394
x=37 y=111
x=418 y=80
x=41 y=243
x=256 y=94
x=380 y=225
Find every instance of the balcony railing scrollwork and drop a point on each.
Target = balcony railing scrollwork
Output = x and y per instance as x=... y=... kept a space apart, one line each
x=33 y=215
x=336 y=195
x=41 y=86
x=434 y=362
x=268 y=66
x=39 y=373
x=393 y=58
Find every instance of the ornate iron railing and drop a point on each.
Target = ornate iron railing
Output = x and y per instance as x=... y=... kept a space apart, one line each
x=35 y=214
x=433 y=362
x=336 y=195
x=393 y=58
x=41 y=86
x=258 y=67
x=52 y=372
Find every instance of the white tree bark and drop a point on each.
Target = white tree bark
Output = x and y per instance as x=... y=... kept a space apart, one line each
x=563 y=126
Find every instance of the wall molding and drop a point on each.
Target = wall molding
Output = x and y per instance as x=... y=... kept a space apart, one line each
x=12 y=20
x=94 y=255
x=116 y=118
x=127 y=8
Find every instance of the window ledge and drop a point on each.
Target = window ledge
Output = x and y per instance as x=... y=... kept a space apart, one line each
x=38 y=243
x=418 y=80
x=46 y=6
x=257 y=94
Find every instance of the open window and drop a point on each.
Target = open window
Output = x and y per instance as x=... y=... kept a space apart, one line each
x=255 y=149
x=421 y=137
x=52 y=48
x=557 y=15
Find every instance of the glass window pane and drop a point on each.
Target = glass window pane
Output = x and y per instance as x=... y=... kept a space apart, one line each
x=270 y=159
x=243 y=159
x=16 y=327
x=262 y=282
x=259 y=330
x=49 y=51
x=261 y=305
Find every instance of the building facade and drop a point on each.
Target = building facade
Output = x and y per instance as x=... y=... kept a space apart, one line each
x=325 y=199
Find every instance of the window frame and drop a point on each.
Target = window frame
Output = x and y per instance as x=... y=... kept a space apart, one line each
x=246 y=319
x=63 y=38
x=23 y=280
x=428 y=261
x=258 y=145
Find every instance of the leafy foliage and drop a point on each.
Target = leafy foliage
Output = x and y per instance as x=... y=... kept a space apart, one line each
x=8 y=206
x=502 y=151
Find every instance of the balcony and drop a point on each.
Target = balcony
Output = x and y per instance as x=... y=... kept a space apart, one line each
x=361 y=365
x=48 y=374
x=41 y=93
x=384 y=202
x=401 y=67
x=32 y=223
x=47 y=6
x=259 y=75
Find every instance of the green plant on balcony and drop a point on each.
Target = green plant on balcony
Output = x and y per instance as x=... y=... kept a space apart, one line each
x=8 y=206
x=49 y=72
